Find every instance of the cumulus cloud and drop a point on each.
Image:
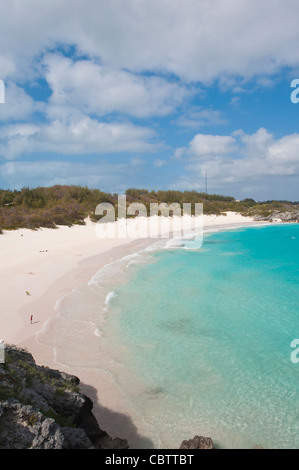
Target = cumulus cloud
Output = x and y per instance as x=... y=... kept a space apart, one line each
x=79 y=136
x=107 y=65
x=240 y=156
x=206 y=146
x=99 y=89
x=18 y=104
x=196 y=40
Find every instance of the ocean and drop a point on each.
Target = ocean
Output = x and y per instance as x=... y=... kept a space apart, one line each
x=197 y=337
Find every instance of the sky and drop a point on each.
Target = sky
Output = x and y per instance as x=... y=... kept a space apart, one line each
x=153 y=94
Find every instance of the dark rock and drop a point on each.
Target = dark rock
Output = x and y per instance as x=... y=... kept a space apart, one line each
x=198 y=442
x=23 y=427
x=42 y=408
x=287 y=216
x=76 y=438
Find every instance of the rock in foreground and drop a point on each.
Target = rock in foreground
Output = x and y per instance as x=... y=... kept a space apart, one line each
x=198 y=442
x=42 y=408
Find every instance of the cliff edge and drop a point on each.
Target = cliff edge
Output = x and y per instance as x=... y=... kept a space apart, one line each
x=42 y=408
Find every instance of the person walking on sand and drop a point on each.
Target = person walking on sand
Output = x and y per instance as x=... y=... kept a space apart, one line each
x=31 y=318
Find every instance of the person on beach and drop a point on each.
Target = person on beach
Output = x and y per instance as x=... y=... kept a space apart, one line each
x=31 y=318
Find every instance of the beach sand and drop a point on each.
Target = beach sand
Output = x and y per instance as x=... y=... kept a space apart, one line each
x=38 y=267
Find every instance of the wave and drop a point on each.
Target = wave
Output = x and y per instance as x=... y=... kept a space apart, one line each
x=110 y=296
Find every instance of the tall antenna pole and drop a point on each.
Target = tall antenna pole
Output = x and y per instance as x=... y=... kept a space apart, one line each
x=206 y=181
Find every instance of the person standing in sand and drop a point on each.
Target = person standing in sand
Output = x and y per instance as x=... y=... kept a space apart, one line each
x=31 y=318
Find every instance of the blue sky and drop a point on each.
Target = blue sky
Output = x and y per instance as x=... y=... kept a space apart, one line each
x=151 y=94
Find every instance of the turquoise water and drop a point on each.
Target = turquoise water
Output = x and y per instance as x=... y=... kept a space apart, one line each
x=205 y=339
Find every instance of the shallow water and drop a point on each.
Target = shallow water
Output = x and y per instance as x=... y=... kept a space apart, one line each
x=196 y=337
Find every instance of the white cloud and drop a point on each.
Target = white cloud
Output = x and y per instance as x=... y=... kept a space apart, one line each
x=197 y=118
x=235 y=101
x=101 y=90
x=82 y=135
x=198 y=40
x=179 y=153
x=137 y=161
x=7 y=66
x=15 y=139
x=159 y=162
x=206 y=146
x=18 y=104
x=241 y=156
x=144 y=59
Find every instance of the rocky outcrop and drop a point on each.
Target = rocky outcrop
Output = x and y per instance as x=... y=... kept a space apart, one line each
x=198 y=442
x=288 y=216
x=42 y=408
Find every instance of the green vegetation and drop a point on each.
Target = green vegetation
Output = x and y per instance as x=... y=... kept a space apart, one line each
x=68 y=205
x=61 y=420
x=67 y=386
x=48 y=207
x=30 y=419
x=17 y=372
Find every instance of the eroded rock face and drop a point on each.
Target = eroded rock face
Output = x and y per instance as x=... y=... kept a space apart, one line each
x=288 y=216
x=198 y=442
x=42 y=408
x=23 y=427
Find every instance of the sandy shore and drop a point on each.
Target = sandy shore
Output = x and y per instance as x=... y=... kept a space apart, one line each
x=38 y=268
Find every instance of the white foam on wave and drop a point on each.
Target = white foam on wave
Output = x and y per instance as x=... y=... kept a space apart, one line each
x=44 y=328
x=46 y=325
x=108 y=271
x=110 y=296
x=175 y=243
x=194 y=247
x=133 y=261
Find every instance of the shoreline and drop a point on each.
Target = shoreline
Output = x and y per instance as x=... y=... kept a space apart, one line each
x=114 y=416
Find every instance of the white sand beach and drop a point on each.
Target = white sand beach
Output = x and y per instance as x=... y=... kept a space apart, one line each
x=38 y=267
